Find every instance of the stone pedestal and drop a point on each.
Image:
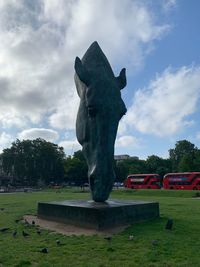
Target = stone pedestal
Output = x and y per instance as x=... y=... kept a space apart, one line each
x=99 y=216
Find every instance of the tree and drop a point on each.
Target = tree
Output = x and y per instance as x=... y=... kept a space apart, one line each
x=30 y=161
x=137 y=165
x=121 y=170
x=128 y=166
x=79 y=155
x=158 y=165
x=186 y=163
x=182 y=148
x=196 y=161
x=76 y=168
x=153 y=163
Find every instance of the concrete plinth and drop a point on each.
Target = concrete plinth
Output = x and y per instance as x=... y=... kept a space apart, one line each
x=99 y=216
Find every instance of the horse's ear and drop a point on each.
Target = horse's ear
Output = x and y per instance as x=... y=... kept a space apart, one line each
x=121 y=79
x=81 y=71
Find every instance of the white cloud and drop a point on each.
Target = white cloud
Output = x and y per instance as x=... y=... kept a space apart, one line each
x=164 y=106
x=5 y=140
x=70 y=146
x=122 y=128
x=38 y=43
x=127 y=141
x=65 y=115
x=33 y=133
x=131 y=22
x=10 y=118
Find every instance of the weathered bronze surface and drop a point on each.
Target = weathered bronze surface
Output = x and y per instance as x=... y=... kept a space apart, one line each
x=101 y=108
x=99 y=216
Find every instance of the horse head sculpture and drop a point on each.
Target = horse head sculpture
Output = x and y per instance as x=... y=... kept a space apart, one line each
x=101 y=108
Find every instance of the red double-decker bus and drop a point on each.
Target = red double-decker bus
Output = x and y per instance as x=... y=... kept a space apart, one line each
x=184 y=181
x=143 y=181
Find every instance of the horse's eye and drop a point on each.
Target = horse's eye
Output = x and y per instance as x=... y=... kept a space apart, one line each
x=92 y=111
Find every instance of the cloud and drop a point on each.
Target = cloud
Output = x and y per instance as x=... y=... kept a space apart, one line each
x=164 y=106
x=70 y=146
x=5 y=140
x=65 y=115
x=122 y=128
x=127 y=141
x=10 y=118
x=33 y=133
x=38 y=43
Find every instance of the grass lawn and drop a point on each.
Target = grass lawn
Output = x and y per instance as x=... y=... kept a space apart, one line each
x=179 y=247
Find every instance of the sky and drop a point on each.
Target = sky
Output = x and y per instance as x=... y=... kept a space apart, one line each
x=156 y=41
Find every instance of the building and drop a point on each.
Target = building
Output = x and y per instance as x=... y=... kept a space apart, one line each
x=119 y=158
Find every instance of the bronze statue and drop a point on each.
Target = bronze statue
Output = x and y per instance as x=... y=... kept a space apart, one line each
x=101 y=108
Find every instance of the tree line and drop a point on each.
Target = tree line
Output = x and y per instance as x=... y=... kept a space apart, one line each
x=40 y=163
x=33 y=162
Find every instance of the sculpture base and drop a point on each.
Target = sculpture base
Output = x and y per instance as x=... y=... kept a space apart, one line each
x=99 y=216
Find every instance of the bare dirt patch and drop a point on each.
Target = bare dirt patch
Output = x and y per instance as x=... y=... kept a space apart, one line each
x=69 y=230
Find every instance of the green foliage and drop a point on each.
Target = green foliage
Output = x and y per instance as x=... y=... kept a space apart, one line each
x=185 y=157
x=196 y=161
x=184 y=151
x=76 y=168
x=178 y=247
x=37 y=162
x=153 y=164
x=136 y=165
x=121 y=170
x=186 y=163
x=158 y=165
x=127 y=166
x=29 y=161
x=79 y=155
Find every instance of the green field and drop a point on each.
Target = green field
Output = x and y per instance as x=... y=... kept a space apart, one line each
x=179 y=247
